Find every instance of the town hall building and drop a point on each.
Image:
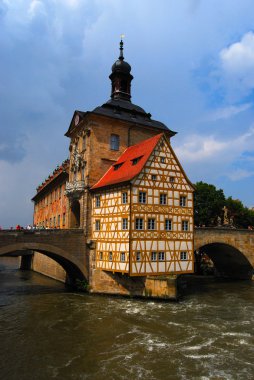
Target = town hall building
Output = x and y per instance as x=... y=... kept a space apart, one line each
x=125 y=188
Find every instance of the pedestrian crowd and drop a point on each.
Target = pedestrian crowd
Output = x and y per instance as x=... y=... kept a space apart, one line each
x=28 y=227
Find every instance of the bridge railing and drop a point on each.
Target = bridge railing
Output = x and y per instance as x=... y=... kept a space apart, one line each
x=44 y=231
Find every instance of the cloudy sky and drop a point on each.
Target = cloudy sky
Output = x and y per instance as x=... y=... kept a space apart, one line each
x=193 y=67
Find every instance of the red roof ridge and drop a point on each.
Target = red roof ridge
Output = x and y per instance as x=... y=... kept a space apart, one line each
x=128 y=170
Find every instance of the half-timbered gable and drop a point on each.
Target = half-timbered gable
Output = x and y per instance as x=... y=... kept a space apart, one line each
x=161 y=216
x=153 y=233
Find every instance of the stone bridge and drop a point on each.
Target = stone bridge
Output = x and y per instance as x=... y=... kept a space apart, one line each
x=66 y=247
x=231 y=250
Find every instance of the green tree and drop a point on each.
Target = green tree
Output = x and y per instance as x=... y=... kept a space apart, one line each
x=208 y=204
x=242 y=216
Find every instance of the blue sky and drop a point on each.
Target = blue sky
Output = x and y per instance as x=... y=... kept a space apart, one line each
x=193 y=67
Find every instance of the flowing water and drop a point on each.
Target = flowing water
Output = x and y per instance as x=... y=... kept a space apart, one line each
x=48 y=332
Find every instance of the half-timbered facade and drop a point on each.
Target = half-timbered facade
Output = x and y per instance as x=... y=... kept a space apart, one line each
x=126 y=189
x=143 y=213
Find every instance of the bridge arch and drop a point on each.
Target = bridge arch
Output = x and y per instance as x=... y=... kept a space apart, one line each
x=74 y=269
x=228 y=260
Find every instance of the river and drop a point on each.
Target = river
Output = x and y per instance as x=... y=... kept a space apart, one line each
x=48 y=332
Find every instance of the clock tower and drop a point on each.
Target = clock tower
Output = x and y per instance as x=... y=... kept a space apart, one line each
x=99 y=137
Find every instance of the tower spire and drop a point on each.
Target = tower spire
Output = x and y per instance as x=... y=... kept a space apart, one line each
x=121 y=77
x=121 y=57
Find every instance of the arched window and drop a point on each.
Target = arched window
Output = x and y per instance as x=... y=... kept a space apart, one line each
x=123 y=86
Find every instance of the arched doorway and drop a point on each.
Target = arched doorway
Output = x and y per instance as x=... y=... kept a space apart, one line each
x=75 y=214
x=228 y=261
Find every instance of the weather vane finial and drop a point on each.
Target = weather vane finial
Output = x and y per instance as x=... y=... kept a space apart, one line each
x=121 y=47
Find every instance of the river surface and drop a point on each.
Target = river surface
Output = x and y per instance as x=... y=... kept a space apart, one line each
x=48 y=332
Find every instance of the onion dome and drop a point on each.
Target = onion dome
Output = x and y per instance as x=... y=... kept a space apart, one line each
x=121 y=65
x=121 y=78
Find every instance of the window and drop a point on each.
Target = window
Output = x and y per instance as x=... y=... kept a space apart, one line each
x=124 y=197
x=50 y=222
x=142 y=197
x=97 y=201
x=172 y=181
x=54 y=221
x=63 y=219
x=125 y=223
x=185 y=225
x=122 y=256
x=97 y=225
x=163 y=199
x=136 y=160
x=182 y=201
x=183 y=256
x=117 y=166
x=153 y=256
x=58 y=220
x=139 y=224
x=114 y=142
x=138 y=256
x=84 y=143
x=154 y=177
x=151 y=224
x=168 y=224
x=110 y=256
x=161 y=256
x=101 y=255
x=83 y=173
x=123 y=85
x=163 y=160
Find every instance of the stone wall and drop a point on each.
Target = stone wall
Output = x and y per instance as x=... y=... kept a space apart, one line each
x=48 y=267
x=139 y=286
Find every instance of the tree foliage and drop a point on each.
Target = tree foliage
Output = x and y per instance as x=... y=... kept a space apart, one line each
x=209 y=203
x=242 y=216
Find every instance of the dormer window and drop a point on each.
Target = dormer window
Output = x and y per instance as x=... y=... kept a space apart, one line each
x=136 y=160
x=117 y=166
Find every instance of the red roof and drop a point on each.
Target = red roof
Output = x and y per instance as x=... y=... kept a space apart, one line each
x=129 y=164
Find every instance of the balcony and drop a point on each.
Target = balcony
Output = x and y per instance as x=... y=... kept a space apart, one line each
x=74 y=189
